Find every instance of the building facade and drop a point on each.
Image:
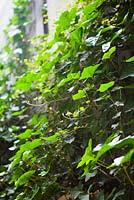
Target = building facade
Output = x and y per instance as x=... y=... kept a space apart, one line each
x=37 y=27
x=6 y=12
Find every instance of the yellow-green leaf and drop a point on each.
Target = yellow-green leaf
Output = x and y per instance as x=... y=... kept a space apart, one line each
x=79 y=95
x=108 y=54
x=88 y=72
x=104 y=87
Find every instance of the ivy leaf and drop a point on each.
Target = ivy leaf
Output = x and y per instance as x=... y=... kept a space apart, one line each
x=104 y=87
x=92 y=7
x=108 y=54
x=35 y=191
x=106 y=46
x=118 y=161
x=130 y=59
x=53 y=138
x=88 y=72
x=88 y=156
x=31 y=145
x=24 y=147
x=122 y=159
x=19 y=112
x=70 y=77
x=90 y=175
x=100 y=195
x=84 y=197
x=91 y=41
x=127 y=71
x=79 y=95
x=27 y=134
x=24 y=178
x=115 y=143
x=118 y=194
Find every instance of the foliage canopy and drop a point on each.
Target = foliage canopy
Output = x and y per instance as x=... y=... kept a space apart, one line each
x=69 y=115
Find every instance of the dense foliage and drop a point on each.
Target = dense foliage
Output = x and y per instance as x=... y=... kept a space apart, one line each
x=70 y=113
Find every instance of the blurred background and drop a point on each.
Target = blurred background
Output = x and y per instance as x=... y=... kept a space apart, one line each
x=43 y=15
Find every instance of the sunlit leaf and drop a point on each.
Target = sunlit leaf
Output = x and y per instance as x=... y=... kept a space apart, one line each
x=130 y=59
x=108 y=54
x=81 y=94
x=26 y=134
x=19 y=112
x=106 y=46
x=88 y=72
x=91 y=41
x=24 y=178
x=104 y=87
x=88 y=156
x=53 y=138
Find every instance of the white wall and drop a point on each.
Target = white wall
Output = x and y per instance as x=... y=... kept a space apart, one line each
x=55 y=7
x=6 y=11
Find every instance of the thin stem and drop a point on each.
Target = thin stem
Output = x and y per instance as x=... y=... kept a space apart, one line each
x=47 y=102
x=128 y=177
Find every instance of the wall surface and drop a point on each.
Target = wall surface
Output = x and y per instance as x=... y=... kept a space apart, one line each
x=6 y=11
x=36 y=18
x=55 y=7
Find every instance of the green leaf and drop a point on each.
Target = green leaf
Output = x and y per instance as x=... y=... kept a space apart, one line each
x=104 y=87
x=76 y=36
x=27 y=134
x=118 y=194
x=24 y=178
x=115 y=143
x=35 y=190
x=24 y=83
x=117 y=161
x=100 y=196
x=108 y=54
x=70 y=77
x=88 y=72
x=88 y=156
x=128 y=71
x=79 y=95
x=24 y=147
x=90 y=175
x=119 y=143
x=92 y=7
x=76 y=193
x=53 y=138
x=19 y=112
x=31 y=145
x=106 y=46
x=84 y=196
x=91 y=41
x=130 y=59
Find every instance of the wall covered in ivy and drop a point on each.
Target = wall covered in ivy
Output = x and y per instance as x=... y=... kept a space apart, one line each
x=67 y=119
